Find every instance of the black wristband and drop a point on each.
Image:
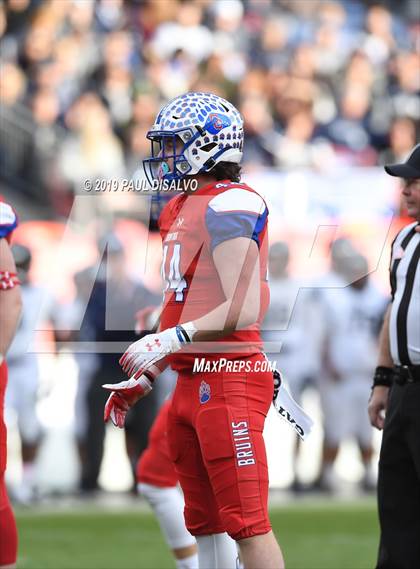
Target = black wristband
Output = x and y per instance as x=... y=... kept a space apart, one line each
x=383 y=376
x=277 y=383
x=182 y=334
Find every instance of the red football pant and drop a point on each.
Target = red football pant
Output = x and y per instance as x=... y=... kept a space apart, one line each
x=155 y=466
x=8 y=531
x=3 y=433
x=215 y=427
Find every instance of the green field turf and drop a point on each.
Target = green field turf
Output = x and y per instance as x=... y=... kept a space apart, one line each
x=327 y=536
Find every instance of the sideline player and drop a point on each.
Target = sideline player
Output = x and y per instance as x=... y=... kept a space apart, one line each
x=10 y=308
x=157 y=481
x=287 y=326
x=23 y=384
x=353 y=316
x=214 y=264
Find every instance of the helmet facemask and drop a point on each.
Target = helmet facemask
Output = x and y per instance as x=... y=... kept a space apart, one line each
x=168 y=159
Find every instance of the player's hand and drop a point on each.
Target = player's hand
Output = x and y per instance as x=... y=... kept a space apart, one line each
x=378 y=404
x=147 y=352
x=123 y=396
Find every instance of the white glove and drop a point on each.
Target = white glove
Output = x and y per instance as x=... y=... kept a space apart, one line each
x=145 y=353
x=124 y=395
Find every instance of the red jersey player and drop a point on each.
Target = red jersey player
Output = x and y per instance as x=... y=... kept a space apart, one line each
x=10 y=307
x=157 y=482
x=214 y=265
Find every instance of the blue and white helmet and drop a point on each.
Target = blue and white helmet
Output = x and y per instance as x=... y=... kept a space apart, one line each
x=192 y=133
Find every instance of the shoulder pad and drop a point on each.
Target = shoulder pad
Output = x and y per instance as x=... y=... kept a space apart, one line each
x=8 y=219
x=238 y=199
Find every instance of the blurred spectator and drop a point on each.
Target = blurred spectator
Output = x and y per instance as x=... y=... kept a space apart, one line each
x=231 y=39
x=349 y=132
x=332 y=43
x=402 y=138
x=405 y=95
x=110 y=14
x=47 y=136
x=298 y=147
x=186 y=33
x=12 y=85
x=379 y=41
x=109 y=317
x=18 y=154
x=260 y=136
x=359 y=71
x=92 y=150
x=145 y=108
x=271 y=50
x=138 y=148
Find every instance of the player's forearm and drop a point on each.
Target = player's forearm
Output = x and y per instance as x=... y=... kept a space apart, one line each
x=385 y=358
x=10 y=309
x=229 y=316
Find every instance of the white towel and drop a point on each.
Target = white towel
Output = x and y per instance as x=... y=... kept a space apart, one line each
x=289 y=410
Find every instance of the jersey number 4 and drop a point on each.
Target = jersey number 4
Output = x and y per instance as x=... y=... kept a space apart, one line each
x=171 y=272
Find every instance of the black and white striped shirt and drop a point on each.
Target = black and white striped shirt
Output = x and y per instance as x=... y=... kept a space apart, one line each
x=404 y=326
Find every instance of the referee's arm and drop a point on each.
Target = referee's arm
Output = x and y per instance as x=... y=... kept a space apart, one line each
x=379 y=399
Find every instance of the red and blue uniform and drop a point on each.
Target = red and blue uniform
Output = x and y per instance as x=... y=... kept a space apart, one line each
x=8 y=223
x=215 y=422
x=8 y=542
x=191 y=227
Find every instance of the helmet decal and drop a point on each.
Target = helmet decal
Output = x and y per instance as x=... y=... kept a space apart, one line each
x=216 y=122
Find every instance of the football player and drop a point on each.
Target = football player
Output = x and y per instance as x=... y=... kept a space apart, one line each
x=287 y=327
x=352 y=317
x=23 y=383
x=214 y=264
x=10 y=308
x=157 y=481
x=158 y=484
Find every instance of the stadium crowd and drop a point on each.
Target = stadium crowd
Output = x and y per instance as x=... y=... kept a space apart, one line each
x=320 y=84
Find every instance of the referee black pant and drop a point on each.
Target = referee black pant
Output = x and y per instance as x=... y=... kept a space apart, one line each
x=399 y=480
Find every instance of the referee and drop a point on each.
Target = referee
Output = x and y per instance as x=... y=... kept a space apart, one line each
x=396 y=389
